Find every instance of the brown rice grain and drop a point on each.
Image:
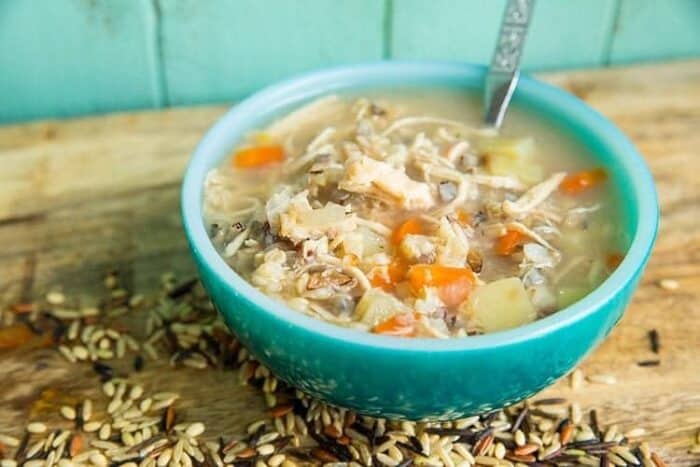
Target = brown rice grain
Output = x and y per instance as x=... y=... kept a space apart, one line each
x=9 y=441
x=36 y=428
x=276 y=460
x=34 y=449
x=602 y=379
x=484 y=460
x=67 y=354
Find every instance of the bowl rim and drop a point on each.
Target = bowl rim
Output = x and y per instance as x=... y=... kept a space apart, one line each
x=355 y=76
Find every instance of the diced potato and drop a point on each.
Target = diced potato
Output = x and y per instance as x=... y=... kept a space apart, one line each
x=512 y=157
x=499 y=305
x=569 y=295
x=363 y=243
x=574 y=240
x=513 y=147
x=376 y=306
x=330 y=214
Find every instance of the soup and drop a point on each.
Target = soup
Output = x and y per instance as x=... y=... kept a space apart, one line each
x=395 y=213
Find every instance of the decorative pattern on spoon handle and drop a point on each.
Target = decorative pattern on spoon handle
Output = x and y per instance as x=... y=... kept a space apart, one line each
x=504 y=71
x=516 y=19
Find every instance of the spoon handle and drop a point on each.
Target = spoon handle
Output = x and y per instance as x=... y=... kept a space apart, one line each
x=504 y=71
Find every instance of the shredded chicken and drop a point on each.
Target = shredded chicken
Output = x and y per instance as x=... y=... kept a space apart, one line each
x=380 y=180
x=533 y=197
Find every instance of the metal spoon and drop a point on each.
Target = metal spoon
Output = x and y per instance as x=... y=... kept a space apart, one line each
x=504 y=71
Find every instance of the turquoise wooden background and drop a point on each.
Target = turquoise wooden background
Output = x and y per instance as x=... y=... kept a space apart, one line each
x=74 y=57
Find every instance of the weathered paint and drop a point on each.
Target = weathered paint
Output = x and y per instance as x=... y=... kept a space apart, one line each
x=70 y=57
x=220 y=50
x=76 y=57
x=563 y=34
x=656 y=30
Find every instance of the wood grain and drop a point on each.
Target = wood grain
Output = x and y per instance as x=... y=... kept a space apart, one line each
x=80 y=196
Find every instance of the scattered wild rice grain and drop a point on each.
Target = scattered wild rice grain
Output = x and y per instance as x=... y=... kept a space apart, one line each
x=113 y=405
x=160 y=396
x=55 y=298
x=98 y=460
x=92 y=426
x=128 y=438
x=9 y=441
x=625 y=453
x=253 y=427
x=576 y=379
x=150 y=351
x=265 y=449
x=35 y=463
x=89 y=311
x=136 y=392
x=195 y=429
x=648 y=363
x=566 y=432
x=68 y=412
x=602 y=379
x=654 y=341
x=67 y=354
x=145 y=404
x=86 y=410
x=105 y=431
x=616 y=460
x=484 y=460
x=669 y=284
x=387 y=460
x=635 y=433
x=276 y=460
x=526 y=449
x=8 y=463
x=36 y=428
x=60 y=439
x=164 y=457
x=576 y=413
x=499 y=451
x=610 y=433
x=80 y=352
x=34 y=449
x=520 y=438
x=108 y=388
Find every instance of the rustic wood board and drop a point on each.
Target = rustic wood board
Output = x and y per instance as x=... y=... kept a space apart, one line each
x=80 y=196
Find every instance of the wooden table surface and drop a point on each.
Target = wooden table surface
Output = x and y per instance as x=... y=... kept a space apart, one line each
x=78 y=197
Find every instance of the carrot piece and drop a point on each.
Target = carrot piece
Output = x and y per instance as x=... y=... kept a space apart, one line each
x=23 y=308
x=453 y=284
x=463 y=217
x=403 y=325
x=506 y=244
x=396 y=272
x=15 y=335
x=257 y=156
x=579 y=182
x=613 y=260
x=456 y=292
x=408 y=227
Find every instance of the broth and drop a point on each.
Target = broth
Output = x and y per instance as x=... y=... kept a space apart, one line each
x=395 y=213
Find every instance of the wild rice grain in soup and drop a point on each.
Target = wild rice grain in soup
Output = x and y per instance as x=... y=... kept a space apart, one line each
x=399 y=216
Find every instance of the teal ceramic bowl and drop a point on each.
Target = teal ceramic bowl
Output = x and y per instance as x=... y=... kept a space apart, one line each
x=421 y=378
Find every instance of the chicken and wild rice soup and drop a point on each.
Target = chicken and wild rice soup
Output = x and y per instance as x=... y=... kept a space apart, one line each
x=396 y=214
